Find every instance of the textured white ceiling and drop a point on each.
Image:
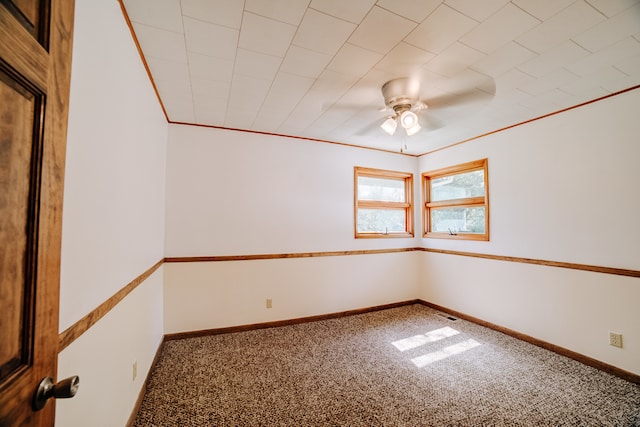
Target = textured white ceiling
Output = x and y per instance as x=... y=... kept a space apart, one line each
x=314 y=68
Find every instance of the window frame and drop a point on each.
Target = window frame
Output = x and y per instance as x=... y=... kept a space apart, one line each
x=407 y=205
x=467 y=202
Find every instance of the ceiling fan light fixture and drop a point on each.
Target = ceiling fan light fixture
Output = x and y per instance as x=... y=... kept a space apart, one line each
x=408 y=119
x=413 y=129
x=389 y=125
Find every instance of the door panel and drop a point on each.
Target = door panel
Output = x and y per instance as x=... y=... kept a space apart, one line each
x=20 y=161
x=21 y=51
x=34 y=93
x=32 y=15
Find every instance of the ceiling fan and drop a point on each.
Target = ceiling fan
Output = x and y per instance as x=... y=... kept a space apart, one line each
x=402 y=96
x=449 y=100
x=424 y=101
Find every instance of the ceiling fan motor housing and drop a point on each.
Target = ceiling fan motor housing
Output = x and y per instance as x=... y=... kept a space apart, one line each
x=400 y=94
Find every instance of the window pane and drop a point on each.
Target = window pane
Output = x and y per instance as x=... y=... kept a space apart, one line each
x=470 y=184
x=380 y=189
x=381 y=220
x=463 y=220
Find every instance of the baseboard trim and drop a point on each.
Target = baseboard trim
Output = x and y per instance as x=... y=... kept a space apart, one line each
x=143 y=389
x=288 y=322
x=625 y=375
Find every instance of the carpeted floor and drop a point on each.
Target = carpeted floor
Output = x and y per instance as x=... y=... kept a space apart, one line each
x=407 y=366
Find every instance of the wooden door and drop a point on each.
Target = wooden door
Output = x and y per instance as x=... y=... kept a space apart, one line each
x=35 y=65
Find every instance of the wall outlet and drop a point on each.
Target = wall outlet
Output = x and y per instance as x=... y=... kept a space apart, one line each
x=615 y=339
x=269 y=303
x=134 y=370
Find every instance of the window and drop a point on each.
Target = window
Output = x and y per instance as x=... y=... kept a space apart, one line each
x=383 y=203
x=457 y=202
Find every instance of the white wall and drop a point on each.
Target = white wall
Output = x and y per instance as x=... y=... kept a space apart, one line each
x=207 y=295
x=562 y=188
x=235 y=193
x=238 y=193
x=113 y=219
x=103 y=358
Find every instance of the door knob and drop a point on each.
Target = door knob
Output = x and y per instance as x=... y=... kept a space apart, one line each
x=61 y=390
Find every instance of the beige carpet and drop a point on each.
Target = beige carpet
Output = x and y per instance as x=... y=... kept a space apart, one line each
x=407 y=366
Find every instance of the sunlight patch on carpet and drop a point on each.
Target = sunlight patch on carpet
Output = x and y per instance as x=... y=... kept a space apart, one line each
x=418 y=340
x=444 y=353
